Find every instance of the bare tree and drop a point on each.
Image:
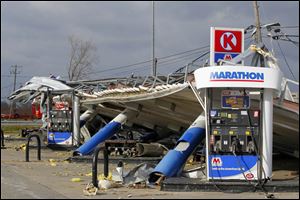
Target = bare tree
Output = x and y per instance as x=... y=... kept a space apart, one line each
x=82 y=58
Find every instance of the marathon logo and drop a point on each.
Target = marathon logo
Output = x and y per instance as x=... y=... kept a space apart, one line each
x=237 y=76
x=216 y=162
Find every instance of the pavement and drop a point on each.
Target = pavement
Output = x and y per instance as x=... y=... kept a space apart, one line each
x=51 y=178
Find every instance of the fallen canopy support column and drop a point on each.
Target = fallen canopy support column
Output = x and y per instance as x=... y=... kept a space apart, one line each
x=175 y=159
x=84 y=117
x=105 y=133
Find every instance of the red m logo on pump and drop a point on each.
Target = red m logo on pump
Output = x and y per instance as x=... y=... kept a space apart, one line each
x=216 y=162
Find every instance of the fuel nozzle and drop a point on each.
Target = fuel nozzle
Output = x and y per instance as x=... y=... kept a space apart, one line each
x=251 y=147
x=234 y=144
x=217 y=147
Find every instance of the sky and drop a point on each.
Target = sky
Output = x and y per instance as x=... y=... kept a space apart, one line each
x=34 y=35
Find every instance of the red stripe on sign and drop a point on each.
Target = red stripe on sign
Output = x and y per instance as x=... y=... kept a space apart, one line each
x=240 y=80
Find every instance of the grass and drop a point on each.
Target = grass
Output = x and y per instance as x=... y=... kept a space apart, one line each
x=16 y=129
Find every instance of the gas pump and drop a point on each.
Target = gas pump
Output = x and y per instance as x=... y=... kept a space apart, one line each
x=234 y=133
x=60 y=119
x=239 y=116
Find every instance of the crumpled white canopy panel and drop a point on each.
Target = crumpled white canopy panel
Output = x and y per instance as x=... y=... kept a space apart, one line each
x=34 y=86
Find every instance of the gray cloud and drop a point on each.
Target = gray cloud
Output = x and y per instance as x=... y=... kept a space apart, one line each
x=34 y=34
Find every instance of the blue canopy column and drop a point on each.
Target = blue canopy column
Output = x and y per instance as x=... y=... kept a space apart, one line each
x=105 y=133
x=175 y=159
x=84 y=117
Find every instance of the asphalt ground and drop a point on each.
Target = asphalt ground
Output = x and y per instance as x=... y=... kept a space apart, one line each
x=51 y=178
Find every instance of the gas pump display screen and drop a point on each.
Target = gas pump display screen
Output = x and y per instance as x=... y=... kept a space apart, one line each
x=235 y=99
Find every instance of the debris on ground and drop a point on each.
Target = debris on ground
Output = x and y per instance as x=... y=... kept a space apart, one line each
x=105 y=184
x=21 y=147
x=138 y=174
x=118 y=175
x=52 y=162
x=76 y=179
x=140 y=185
x=89 y=174
x=90 y=190
x=198 y=172
x=160 y=179
x=103 y=177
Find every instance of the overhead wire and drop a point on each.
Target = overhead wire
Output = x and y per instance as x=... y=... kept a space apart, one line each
x=183 y=52
x=111 y=68
x=132 y=71
x=181 y=57
x=289 y=26
x=286 y=61
x=184 y=57
x=7 y=86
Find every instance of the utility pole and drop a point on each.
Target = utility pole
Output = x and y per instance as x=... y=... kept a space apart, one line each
x=258 y=37
x=14 y=71
x=154 y=60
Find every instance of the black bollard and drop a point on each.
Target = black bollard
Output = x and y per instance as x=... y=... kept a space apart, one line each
x=2 y=138
x=94 y=164
x=39 y=147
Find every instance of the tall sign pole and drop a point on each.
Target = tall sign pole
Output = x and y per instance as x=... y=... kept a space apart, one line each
x=258 y=37
x=154 y=61
x=267 y=108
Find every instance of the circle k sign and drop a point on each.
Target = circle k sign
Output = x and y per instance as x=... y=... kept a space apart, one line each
x=228 y=41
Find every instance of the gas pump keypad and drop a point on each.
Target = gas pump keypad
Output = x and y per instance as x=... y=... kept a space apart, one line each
x=60 y=120
x=234 y=130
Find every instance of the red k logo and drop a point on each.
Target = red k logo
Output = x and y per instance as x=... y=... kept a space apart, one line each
x=228 y=41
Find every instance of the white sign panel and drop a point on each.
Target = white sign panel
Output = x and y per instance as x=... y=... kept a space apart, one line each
x=238 y=76
x=225 y=43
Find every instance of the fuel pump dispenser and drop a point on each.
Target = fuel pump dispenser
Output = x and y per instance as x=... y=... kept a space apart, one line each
x=60 y=111
x=239 y=115
x=233 y=120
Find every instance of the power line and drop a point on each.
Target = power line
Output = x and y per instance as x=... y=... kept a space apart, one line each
x=180 y=53
x=286 y=60
x=4 y=87
x=161 y=63
x=14 y=71
x=289 y=26
x=181 y=57
x=144 y=68
x=20 y=76
x=143 y=62
x=120 y=67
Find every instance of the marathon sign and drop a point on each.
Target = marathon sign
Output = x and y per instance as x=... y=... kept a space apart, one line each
x=237 y=76
x=226 y=43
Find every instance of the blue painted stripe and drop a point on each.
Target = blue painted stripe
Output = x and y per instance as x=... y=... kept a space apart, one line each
x=230 y=165
x=58 y=137
x=171 y=164
x=106 y=132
